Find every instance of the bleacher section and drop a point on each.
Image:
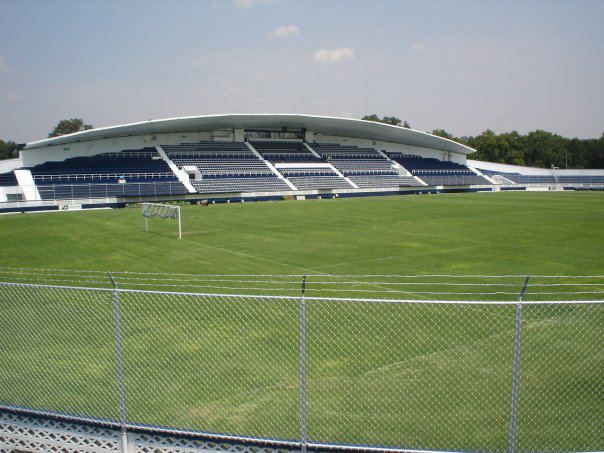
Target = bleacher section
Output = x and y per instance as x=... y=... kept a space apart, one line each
x=225 y=167
x=522 y=179
x=368 y=181
x=217 y=158
x=493 y=173
x=282 y=151
x=599 y=180
x=8 y=179
x=145 y=163
x=550 y=179
x=109 y=189
x=337 y=151
x=437 y=172
x=215 y=184
x=364 y=166
x=305 y=178
x=517 y=178
x=127 y=173
x=213 y=166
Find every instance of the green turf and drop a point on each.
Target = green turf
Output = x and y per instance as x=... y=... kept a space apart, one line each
x=458 y=233
x=424 y=376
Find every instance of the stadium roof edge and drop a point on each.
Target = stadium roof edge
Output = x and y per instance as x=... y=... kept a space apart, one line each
x=347 y=127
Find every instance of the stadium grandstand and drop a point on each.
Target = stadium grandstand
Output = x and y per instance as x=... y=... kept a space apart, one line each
x=235 y=157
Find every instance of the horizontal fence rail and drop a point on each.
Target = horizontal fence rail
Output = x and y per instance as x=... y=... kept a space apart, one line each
x=405 y=287
x=307 y=369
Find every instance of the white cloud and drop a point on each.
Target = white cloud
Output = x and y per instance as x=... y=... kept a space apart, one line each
x=334 y=55
x=418 y=46
x=284 y=31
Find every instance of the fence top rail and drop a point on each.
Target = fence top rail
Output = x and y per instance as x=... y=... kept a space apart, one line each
x=307 y=298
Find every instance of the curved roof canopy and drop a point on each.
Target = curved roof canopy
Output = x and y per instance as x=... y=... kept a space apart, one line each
x=345 y=127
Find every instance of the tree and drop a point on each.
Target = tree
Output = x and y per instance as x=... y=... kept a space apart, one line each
x=392 y=120
x=442 y=133
x=69 y=127
x=487 y=147
x=514 y=148
x=8 y=149
x=544 y=149
x=372 y=117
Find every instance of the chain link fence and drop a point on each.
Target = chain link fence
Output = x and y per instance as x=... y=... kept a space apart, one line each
x=398 y=373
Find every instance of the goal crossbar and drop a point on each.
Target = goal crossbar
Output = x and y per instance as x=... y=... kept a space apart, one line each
x=163 y=211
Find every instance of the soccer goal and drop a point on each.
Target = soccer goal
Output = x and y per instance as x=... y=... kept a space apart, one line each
x=163 y=211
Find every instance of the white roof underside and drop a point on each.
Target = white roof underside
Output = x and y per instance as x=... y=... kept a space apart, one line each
x=344 y=127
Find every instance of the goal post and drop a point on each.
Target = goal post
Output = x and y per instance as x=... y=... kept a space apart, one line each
x=163 y=211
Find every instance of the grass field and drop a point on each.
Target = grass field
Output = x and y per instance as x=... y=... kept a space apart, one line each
x=492 y=234
x=424 y=376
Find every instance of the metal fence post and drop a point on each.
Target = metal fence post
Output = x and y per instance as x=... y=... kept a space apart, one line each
x=512 y=433
x=303 y=367
x=120 y=363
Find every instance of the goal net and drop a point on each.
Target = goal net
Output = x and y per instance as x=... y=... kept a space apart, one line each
x=163 y=211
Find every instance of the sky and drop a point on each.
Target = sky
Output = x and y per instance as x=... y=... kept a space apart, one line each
x=460 y=65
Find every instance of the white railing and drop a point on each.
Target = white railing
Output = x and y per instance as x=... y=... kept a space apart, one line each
x=93 y=176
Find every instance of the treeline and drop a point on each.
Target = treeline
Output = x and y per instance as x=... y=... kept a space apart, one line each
x=8 y=150
x=535 y=149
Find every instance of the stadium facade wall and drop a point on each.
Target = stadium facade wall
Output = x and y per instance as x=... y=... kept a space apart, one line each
x=10 y=165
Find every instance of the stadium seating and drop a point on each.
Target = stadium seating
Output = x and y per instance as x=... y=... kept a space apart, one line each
x=372 y=180
x=145 y=163
x=522 y=179
x=232 y=166
x=335 y=151
x=218 y=184
x=517 y=178
x=305 y=178
x=218 y=158
x=225 y=167
x=438 y=172
x=126 y=173
x=8 y=179
x=364 y=166
x=284 y=151
x=493 y=172
x=108 y=188
x=581 y=179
